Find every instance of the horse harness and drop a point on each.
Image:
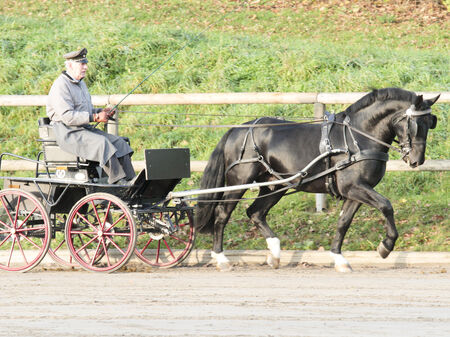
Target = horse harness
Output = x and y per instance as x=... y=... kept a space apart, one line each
x=325 y=146
x=326 y=152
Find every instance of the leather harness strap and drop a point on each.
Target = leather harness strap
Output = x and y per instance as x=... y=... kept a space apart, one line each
x=259 y=158
x=325 y=147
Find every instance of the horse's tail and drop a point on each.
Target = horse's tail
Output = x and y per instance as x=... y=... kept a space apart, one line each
x=213 y=176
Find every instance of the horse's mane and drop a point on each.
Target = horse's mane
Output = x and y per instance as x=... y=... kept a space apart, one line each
x=381 y=95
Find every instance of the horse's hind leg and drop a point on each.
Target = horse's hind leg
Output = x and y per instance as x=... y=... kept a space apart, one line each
x=257 y=213
x=349 y=208
x=222 y=215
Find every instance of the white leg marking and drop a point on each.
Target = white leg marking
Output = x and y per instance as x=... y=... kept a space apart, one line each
x=273 y=258
x=274 y=246
x=219 y=257
x=222 y=262
x=340 y=263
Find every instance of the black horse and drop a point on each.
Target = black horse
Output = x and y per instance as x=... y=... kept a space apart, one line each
x=344 y=156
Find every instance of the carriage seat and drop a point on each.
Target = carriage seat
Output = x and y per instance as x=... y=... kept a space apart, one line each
x=52 y=152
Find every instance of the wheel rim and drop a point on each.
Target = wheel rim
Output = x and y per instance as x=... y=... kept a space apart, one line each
x=100 y=233
x=166 y=250
x=24 y=231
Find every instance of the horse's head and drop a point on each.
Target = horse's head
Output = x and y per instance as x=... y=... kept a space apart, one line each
x=412 y=127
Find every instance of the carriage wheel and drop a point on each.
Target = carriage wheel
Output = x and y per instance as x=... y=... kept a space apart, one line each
x=100 y=232
x=24 y=230
x=164 y=249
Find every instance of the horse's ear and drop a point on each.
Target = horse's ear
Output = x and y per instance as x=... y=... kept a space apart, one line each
x=431 y=101
x=418 y=102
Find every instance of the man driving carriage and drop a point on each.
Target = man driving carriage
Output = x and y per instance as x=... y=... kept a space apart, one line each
x=70 y=110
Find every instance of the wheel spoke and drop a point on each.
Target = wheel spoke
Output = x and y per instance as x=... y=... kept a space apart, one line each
x=5 y=239
x=116 y=234
x=106 y=215
x=21 y=250
x=85 y=250
x=158 y=251
x=95 y=211
x=115 y=223
x=4 y=224
x=32 y=229
x=106 y=252
x=11 y=251
x=115 y=245
x=17 y=211
x=96 y=252
x=87 y=221
x=85 y=233
x=30 y=241
x=59 y=246
x=168 y=248
x=26 y=219
x=179 y=239
x=7 y=211
x=146 y=245
x=85 y=245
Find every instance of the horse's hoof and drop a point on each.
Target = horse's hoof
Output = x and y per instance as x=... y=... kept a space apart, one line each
x=224 y=266
x=343 y=268
x=340 y=263
x=222 y=262
x=272 y=261
x=383 y=251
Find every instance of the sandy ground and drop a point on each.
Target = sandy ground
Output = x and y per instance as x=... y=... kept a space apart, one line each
x=248 y=301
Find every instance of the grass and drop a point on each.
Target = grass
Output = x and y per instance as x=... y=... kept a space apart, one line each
x=285 y=46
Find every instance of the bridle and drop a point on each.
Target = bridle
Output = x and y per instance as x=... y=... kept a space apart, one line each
x=411 y=128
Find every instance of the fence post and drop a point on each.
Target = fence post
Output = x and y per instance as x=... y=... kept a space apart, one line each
x=321 y=198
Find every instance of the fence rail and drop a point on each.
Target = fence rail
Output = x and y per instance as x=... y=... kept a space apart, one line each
x=213 y=98
x=199 y=165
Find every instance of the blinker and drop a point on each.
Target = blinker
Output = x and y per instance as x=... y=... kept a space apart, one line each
x=412 y=128
x=433 y=121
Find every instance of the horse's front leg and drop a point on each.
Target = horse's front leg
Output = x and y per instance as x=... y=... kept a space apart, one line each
x=257 y=212
x=369 y=196
x=349 y=208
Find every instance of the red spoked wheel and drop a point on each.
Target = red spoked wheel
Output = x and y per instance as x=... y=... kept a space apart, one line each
x=100 y=232
x=166 y=238
x=24 y=230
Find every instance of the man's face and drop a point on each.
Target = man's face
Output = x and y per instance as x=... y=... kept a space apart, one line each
x=77 y=70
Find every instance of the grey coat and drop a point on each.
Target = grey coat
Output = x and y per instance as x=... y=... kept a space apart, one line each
x=70 y=109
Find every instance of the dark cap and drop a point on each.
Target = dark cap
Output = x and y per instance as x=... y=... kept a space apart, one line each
x=77 y=56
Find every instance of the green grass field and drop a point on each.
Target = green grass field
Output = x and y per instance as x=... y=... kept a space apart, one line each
x=283 y=46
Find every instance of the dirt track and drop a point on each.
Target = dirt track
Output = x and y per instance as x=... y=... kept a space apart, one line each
x=249 y=301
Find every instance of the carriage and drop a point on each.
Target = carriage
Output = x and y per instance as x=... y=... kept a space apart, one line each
x=67 y=206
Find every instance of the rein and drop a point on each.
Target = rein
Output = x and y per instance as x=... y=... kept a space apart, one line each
x=326 y=152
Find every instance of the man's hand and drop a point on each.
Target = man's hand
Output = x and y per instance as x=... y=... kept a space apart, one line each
x=104 y=115
x=109 y=111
